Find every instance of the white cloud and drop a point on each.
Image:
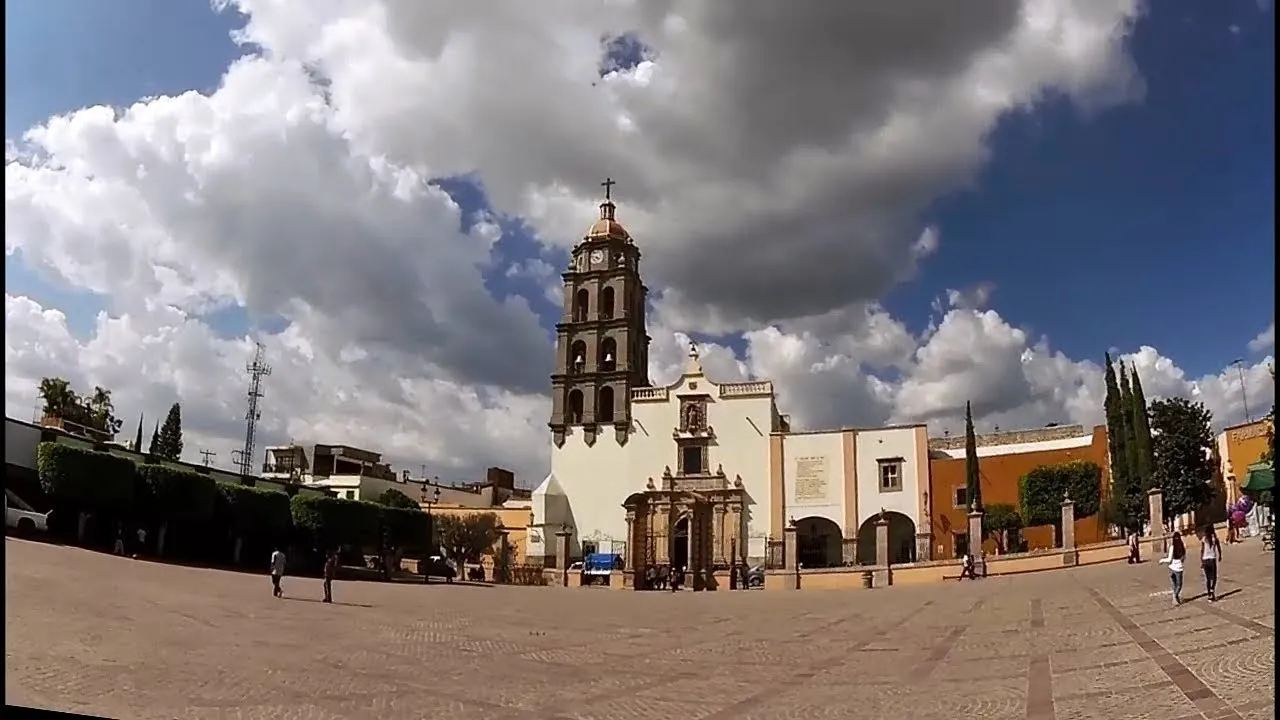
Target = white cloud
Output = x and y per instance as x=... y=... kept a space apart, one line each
x=1265 y=340
x=299 y=187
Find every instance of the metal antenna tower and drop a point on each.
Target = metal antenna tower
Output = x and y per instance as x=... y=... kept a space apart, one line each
x=257 y=369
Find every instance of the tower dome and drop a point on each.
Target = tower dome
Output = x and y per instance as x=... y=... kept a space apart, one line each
x=608 y=226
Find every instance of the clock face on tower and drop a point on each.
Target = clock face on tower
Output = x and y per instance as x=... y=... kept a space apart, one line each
x=597 y=257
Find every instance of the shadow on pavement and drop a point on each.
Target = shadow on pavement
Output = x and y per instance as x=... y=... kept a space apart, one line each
x=335 y=602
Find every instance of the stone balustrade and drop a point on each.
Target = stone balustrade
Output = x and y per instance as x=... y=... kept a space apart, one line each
x=649 y=393
x=1010 y=437
x=746 y=389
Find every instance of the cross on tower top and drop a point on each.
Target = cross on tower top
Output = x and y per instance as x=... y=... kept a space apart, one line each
x=608 y=187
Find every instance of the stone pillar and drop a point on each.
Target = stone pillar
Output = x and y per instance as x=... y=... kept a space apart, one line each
x=717 y=536
x=502 y=566
x=924 y=546
x=975 y=542
x=882 y=554
x=562 y=556
x=733 y=564
x=628 y=561
x=1155 y=506
x=849 y=548
x=790 y=556
x=1069 y=555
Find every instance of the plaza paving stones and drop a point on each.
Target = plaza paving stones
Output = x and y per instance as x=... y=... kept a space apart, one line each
x=134 y=639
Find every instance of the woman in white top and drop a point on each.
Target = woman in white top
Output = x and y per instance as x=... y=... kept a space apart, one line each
x=1177 y=552
x=1210 y=554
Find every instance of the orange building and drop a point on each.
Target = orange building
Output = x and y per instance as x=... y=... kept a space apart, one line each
x=1240 y=446
x=1003 y=458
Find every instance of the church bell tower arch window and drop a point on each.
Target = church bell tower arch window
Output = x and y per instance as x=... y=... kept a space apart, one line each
x=606 y=303
x=608 y=355
x=574 y=411
x=604 y=405
x=581 y=305
x=578 y=357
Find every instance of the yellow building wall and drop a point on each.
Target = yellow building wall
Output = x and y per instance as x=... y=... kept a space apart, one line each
x=514 y=520
x=1241 y=446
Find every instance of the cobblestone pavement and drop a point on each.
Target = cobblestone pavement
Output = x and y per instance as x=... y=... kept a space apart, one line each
x=132 y=639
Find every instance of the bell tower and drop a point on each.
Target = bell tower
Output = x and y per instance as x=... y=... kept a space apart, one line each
x=602 y=349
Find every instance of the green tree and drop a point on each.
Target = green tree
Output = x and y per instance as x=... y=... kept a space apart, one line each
x=57 y=396
x=1183 y=445
x=102 y=411
x=1132 y=500
x=171 y=435
x=1115 y=413
x=154 y=448
x=467 y=538
x=393 y=498
x=1042 y=490
x=1141 y=432
x=1269 y=453
x=972 y=474
x=137 y=440
x=1001 y=522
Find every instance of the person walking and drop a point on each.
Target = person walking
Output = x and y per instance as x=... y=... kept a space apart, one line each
x=119 y=545
x=1210 y=555
x=966 y=568
x=277 y=572
x=1134 y=551
x=1177 y=553
x=330 y=570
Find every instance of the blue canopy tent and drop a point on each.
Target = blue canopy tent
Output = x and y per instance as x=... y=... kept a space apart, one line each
x=601 y=563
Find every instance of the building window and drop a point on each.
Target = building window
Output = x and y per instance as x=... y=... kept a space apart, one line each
x=961 y=497
x=890 y=475
x=351 y=494
x=691 y=460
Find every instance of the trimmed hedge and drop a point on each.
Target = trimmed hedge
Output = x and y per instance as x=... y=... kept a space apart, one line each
x=252 y=511
x=331 y=522
x=100 y=482
x=176 y=494
x=86 y=478
x=1040 y=491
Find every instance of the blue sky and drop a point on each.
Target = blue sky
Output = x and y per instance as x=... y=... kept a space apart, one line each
x=1163 y=209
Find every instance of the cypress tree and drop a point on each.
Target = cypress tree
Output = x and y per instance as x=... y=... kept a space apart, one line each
x=1133 y=485
x=1141 y=433
x=137 y=440
x=171 y=434
x=155 y=440
x=972 y=483
x=1115 y=441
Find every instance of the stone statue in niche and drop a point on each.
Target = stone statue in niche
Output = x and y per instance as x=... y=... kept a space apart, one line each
x=692 y=418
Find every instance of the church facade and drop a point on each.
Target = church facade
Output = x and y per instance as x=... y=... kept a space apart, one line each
x=700 y=474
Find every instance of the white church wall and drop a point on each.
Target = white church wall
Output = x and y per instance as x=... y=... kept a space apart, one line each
x=595 y=479
x=888 y=444
x=813 y=476
x=742 y=427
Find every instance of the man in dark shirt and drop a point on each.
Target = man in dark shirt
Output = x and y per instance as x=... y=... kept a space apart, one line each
x=330 y=569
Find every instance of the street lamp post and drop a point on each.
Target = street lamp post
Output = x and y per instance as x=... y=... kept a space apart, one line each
x=1244 y=393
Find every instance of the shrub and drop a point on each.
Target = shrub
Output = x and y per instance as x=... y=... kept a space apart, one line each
x=408 y=529
x=1041 y=491
x=94 y=481
x=329 y=522
x=253 y=512
x=175 y=494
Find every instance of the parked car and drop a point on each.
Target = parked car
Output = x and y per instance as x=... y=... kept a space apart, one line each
x=755 y=576
x=436 y=566
x=21 y=517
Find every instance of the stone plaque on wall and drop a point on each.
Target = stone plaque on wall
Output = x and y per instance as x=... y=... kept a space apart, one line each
x=810 y=479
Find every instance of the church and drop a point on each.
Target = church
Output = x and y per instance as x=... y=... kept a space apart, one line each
x=699 y=474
